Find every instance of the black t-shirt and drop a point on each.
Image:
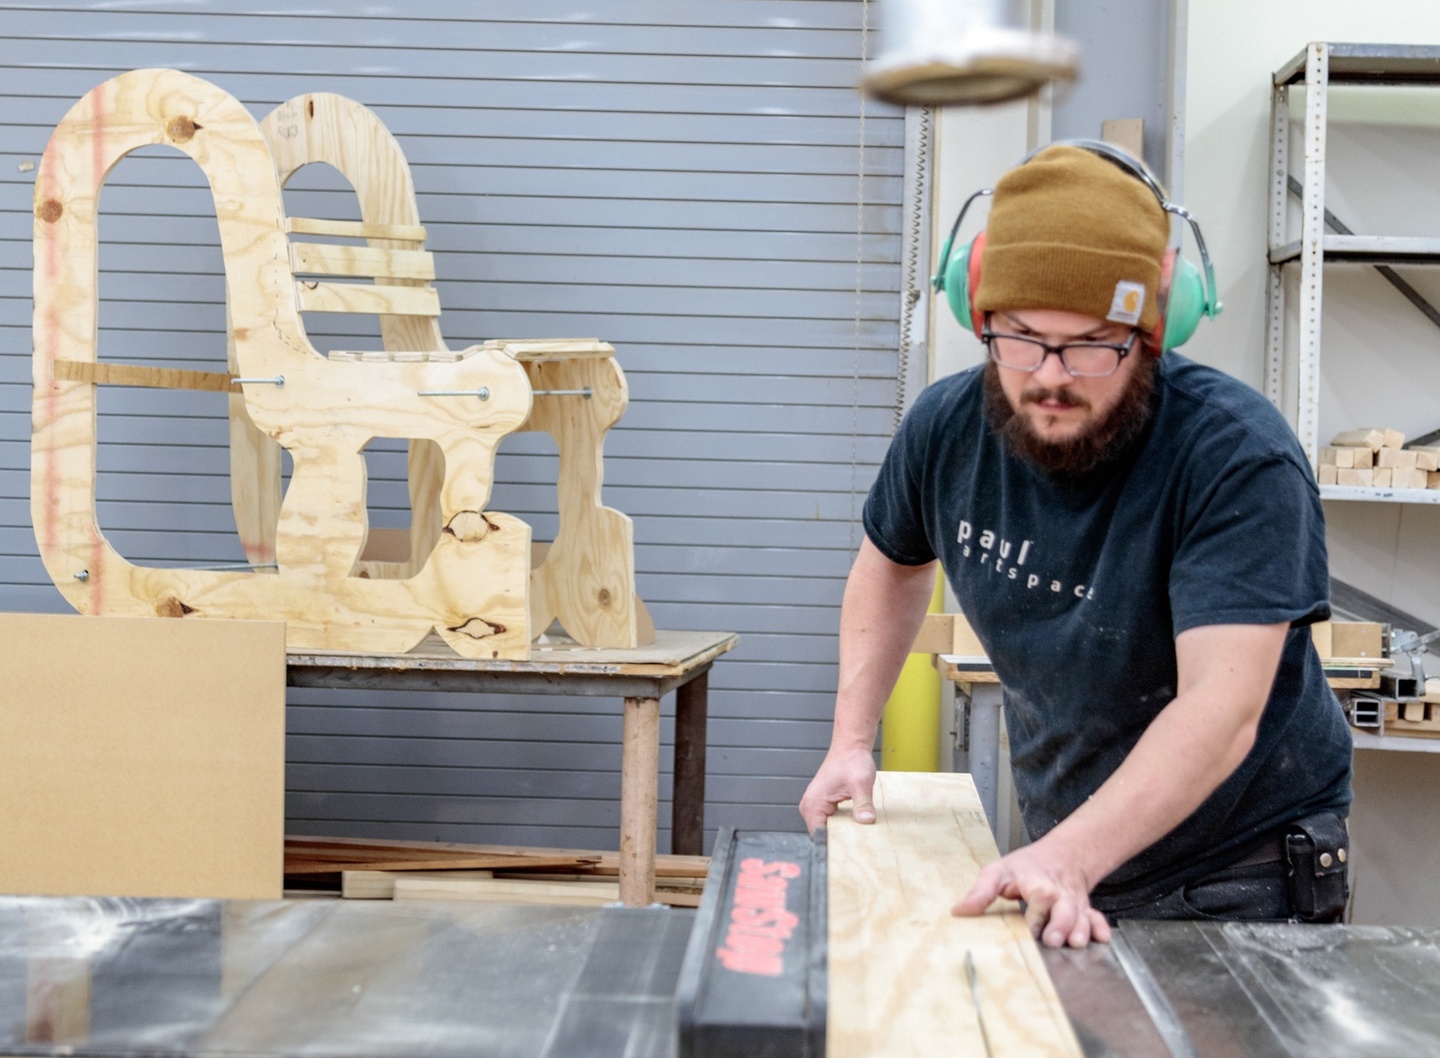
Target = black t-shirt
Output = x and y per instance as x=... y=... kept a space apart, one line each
x=1077 y=587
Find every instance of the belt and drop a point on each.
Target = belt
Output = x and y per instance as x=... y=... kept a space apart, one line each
x=1270 y=850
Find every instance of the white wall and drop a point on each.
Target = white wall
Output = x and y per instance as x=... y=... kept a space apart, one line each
x=1381 y=358
x=974 y=146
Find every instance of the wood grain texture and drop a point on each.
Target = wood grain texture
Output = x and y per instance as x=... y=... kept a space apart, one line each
x=897 y=955
x=364 y=298
x=507 y=891
x=587 y=579
x=639 y=800
x=374 y=262
x=473 y=589
x=666 y=866
x=139 y=375
x=672 y=654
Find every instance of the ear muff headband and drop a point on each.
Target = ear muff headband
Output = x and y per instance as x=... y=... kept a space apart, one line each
x=1185 y=294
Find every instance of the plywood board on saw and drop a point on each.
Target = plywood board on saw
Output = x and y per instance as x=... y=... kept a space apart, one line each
x=897 y=955
x=142 y=757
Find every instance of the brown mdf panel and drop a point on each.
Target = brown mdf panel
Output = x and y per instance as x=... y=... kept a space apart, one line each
x=142 y=757
x=897 y=955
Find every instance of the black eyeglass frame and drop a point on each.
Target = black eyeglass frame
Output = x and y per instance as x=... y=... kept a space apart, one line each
x=1121 y=351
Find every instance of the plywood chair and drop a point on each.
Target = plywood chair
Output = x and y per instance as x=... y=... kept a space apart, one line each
x=585 y=578
x=474 y=585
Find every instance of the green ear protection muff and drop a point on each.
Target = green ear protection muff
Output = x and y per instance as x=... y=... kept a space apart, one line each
x=1185 y=295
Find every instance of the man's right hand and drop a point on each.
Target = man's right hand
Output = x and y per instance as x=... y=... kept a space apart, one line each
x=847 y=774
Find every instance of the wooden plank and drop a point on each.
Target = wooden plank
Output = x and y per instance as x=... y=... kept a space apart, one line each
x=366 y=298
x=138 y=375
x=505 y=891
x=303 y=864
x=672 y=654
x=376 y=262
x=355 y=229
x=535 y=350
x=897 y=955
x=142 y=757
x=666 y=866
x=380 y=885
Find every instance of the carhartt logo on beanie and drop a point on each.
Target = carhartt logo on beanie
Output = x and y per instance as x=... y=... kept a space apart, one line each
x=1069 y=230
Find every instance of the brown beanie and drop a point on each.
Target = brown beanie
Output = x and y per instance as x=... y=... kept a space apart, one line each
x=1070 y=230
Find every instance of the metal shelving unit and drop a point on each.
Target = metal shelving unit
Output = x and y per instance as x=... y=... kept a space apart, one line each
x=1319 y=66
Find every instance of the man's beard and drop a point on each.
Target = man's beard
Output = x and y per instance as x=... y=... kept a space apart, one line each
x=1097 y=444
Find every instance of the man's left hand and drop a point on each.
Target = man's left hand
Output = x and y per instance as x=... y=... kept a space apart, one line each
x=1054 y=888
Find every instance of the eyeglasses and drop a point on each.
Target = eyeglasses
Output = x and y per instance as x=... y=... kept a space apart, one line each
x=1082 y=359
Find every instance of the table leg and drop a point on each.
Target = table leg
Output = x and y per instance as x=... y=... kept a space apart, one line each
x=985 y=703
x=687 y=806
x=639 y=797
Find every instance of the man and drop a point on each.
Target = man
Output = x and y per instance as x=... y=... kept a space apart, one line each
x=1138 y=542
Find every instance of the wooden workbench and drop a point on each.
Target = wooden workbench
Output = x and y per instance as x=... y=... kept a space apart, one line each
x=676 y=661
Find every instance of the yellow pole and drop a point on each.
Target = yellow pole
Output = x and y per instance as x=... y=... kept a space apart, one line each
x=910 y=730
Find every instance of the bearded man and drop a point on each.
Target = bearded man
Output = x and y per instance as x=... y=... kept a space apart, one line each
x=1138 y=542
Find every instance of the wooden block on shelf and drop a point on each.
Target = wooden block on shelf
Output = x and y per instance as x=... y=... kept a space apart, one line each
x=946 y=633
x=1382 y=477
x=142 y=757
x=1354 y=639
x=1126 y=133
x=1364 y=478
x=1397 y=458
x=1427 y=458
x=1412 y=478
x=1367 y=438
x=1432 y=479
x=1393 y=439
x=1327 y=474
x=1347 y=456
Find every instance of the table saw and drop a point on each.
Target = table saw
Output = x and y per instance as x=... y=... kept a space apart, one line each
x=111 y=977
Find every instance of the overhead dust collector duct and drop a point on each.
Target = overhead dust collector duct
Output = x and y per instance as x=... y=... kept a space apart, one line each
x=960 y=52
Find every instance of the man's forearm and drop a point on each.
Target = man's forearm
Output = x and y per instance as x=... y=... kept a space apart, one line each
x=881 y=614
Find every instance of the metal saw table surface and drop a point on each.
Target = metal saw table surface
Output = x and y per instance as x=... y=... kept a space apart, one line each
x=338 y=978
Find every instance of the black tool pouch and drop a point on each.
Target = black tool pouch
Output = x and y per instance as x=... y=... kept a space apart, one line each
x=1318 y=850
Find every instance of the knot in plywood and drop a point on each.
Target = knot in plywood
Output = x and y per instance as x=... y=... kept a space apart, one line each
x=470 y=526
x=479 y=628
x=50 y=210
x=181 y=129
x=170 y=606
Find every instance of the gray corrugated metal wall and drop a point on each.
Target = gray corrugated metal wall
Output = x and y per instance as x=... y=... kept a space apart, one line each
x=681 y=179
